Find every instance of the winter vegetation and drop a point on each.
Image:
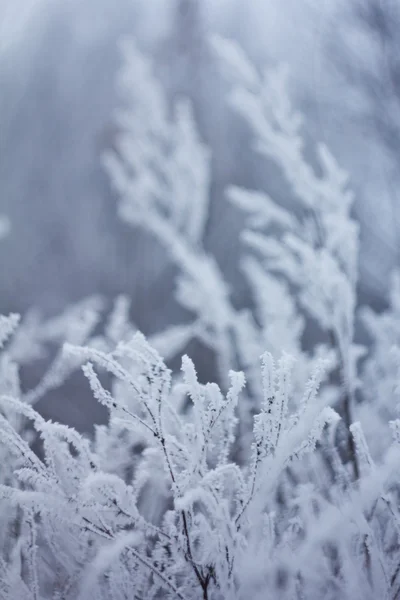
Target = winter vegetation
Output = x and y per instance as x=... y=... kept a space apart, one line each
x=278 y=480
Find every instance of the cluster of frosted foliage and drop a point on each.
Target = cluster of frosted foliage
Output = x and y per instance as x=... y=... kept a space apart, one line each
x=260 y=485
x=161 y=172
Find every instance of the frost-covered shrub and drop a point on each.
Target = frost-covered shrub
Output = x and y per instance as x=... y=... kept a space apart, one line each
x=84 y=530
x=300 y=264
x=258 y=486
x=269 y=528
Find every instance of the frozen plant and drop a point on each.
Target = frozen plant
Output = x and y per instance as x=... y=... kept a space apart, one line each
x=316 y=247
x=226 y=530
x=84 y=532
x=307 y=269
x=217 y=491
x=161 y=172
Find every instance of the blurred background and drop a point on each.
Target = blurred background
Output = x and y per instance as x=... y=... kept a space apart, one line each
x=58 y=64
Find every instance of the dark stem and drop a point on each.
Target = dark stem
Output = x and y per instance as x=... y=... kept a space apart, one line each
x=346 y=407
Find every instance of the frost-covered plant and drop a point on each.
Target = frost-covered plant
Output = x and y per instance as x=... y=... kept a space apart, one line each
x=23 y=343
x=217 y=491
x=316 y=248
x=91 y=526
x=225 y=530
x=307 y=268
x=161 y=171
